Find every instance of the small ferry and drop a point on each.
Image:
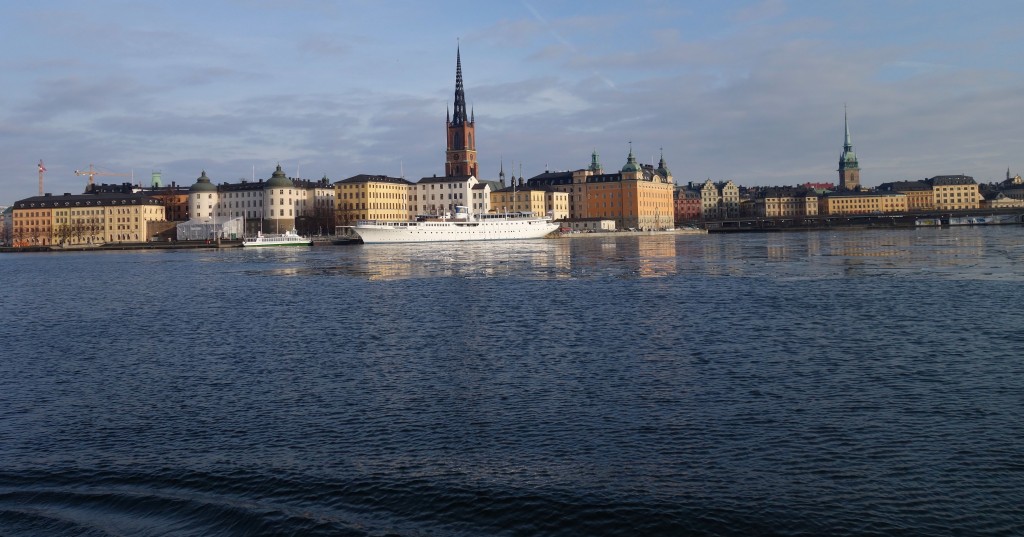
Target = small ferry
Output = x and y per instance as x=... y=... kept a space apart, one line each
x=463 y=227
x=288 y=238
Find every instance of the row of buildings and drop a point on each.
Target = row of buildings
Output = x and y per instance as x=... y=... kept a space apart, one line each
x=712 y=201
x=631 y=196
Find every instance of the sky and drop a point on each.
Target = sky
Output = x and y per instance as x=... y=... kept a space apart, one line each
x=753 y=92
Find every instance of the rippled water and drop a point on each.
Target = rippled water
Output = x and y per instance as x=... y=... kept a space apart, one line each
x=803 y=383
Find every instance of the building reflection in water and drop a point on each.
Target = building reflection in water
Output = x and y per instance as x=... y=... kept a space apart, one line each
x=948 y=253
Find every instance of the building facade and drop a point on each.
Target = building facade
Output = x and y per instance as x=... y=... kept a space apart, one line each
x=919 y=194
x=372 y=197
x=862 y=203
x=687 y=205
x=107 y=214
x=719 y=201
x=955 y=192
x=638 y=196
x=438 y=196
x=538 y=200
x=786 y=202
x=273 y=206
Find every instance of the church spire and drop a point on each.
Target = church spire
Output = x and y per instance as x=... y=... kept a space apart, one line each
x=847 y=144
x=460 y=94
x=460 y=158
x=849 y=168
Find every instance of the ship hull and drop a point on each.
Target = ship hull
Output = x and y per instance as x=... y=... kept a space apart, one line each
x=447 y=231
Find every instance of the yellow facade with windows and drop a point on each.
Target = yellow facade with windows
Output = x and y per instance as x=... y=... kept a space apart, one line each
x=537 y=201
x=955 y=193
x=84 y=219
x=31 y=226
x=777 y=206
x=371 y=197
x=855 y=203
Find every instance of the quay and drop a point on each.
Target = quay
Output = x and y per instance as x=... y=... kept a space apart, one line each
x=852 y=222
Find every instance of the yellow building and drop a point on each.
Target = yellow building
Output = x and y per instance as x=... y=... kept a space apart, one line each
x=719 y=200
x=786 y=202
x=955 y=192
x=32 y=222
x=1002 y=201
x=371 y=197
x=852 y=203
x=919 y=194
x=540 y=201
x=95 y=218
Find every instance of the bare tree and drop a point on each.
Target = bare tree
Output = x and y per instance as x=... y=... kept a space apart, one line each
x=63 y=233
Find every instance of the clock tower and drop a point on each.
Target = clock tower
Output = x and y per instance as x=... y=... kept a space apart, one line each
x=460 y=158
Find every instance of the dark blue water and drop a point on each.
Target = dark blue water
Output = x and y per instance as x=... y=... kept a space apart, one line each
x=851 y=383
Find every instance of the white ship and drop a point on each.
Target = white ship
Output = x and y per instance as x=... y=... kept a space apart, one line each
x=288 y=238
x=463 y=227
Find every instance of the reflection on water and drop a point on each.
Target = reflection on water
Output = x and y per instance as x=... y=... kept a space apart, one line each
x=967 y=253
x=815 y=383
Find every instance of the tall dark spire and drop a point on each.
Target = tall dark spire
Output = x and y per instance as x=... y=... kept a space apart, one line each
x=459 y=117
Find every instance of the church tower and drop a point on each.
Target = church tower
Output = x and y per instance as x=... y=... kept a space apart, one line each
x=849 y=170
x=460 y=158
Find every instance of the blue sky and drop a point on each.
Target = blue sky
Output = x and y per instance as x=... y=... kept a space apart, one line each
x=748 y=91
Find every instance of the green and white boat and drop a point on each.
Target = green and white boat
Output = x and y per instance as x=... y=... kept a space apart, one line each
x=288 y=238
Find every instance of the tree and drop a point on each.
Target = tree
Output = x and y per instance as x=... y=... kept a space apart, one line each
x=64 y=233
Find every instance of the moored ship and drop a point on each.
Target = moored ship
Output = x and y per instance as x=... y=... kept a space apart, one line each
x=463 y=227
x=288 y=238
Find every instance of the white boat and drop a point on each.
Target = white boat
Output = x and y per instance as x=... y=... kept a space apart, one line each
x=464 y=227
x=288 y=238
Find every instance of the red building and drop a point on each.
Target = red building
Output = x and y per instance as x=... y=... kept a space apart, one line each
x=687 y=205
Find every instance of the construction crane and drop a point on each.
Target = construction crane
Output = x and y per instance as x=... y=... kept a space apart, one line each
x=92 y=173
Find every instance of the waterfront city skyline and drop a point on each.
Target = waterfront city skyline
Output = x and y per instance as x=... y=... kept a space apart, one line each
x=750 y=91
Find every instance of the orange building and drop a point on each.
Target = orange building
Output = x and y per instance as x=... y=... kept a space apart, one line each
x=638 y=196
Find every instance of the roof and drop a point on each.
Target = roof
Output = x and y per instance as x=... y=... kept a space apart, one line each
x=527 y=188
x=203 y=184
x=786 y=192
x=242 y=186
x=551 y=178
x=948 y=180
x=279 y=179
x=857 y=194
x=87 y=200
x=453 y=179
x=368 y=178
x=904 y=186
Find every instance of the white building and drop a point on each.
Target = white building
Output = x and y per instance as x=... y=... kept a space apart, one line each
x=278 y=204
x=440 y=195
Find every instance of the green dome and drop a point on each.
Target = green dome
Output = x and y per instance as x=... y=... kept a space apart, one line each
x=203 y=184
x=279 y=179
x=631 y=165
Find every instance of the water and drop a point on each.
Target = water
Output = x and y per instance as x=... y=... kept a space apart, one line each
x=842 y=383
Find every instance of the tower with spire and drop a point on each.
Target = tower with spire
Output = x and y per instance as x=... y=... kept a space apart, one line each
x=849 y=169
x=460 y=158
